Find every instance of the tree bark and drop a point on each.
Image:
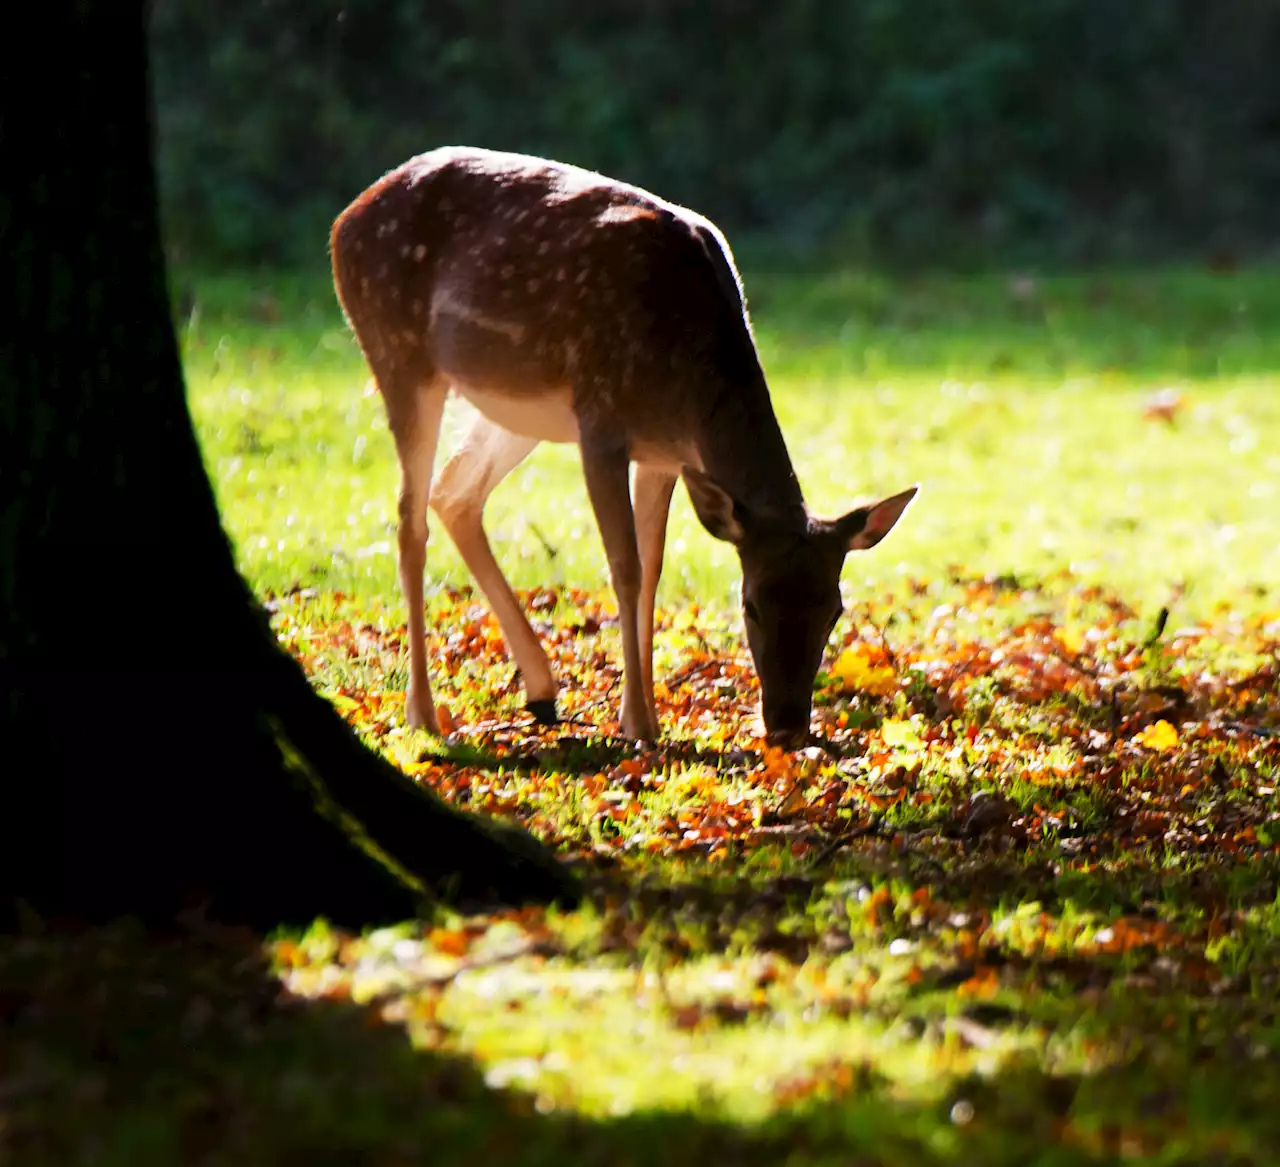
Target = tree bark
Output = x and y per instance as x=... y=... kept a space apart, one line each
x=160 y=750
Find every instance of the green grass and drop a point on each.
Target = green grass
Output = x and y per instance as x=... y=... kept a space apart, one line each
x=1024 y=910
x=1018 y=407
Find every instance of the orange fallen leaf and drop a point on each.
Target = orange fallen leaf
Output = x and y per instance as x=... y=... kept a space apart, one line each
x=1163 y=405
x=451 y=942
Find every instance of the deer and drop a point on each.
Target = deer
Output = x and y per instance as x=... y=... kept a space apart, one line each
x=569 y=307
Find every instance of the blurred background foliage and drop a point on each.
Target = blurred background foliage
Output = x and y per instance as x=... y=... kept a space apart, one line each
x=905 y=130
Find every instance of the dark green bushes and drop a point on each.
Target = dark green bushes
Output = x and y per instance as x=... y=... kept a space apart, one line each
x=902 y=127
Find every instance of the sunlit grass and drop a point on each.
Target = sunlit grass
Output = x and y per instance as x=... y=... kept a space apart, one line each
x=1018 y=403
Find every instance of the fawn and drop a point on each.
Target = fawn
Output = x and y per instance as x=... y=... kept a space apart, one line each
x=569 y=307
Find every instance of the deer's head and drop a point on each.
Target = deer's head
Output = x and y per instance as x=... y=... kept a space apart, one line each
x=790 y=588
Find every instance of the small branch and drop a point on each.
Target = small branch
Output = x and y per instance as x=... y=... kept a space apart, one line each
x=551 y=551
x=884 y=642
x=1157 y=630
x=871 y=827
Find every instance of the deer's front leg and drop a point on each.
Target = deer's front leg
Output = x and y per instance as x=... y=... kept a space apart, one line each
x=607 y=470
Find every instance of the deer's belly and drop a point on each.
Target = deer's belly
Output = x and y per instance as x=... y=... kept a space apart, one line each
x=547 y=415
x=670 y=456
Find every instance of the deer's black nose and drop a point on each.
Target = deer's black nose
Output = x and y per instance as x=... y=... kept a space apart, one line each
x=787 y=724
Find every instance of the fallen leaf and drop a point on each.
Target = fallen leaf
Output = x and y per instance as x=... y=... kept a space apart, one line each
x=896 y=732
x=1071 y=639
x=1163 y=405
x=1159 y=736
x=856 y=673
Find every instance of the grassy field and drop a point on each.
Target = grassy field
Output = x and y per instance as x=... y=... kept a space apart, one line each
x=1017 y=403
x=1022 y=910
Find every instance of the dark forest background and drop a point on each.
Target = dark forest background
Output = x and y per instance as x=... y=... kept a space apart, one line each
x=903 y=130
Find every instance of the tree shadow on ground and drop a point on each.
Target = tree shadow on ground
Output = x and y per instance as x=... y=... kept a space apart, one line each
x=128 y=1047
x=125 y=1047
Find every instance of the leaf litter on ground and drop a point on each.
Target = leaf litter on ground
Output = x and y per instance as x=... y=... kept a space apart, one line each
x=1036 y=829
x=1018 y=905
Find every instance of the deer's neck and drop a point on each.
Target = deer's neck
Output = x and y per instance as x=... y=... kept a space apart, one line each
x=742 y=448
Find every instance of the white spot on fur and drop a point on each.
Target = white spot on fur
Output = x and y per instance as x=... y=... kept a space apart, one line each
x=448 y=305
x=625 y=213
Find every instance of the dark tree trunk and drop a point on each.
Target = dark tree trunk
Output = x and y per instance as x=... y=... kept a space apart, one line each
x=160 y=750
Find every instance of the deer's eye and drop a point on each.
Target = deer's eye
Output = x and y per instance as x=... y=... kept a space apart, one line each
x=753 y=613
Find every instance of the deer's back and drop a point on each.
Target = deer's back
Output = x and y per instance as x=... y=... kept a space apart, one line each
x=522 y=278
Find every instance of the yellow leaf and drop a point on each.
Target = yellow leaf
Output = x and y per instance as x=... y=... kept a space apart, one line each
x=1071 y=639
x=344 y=704
x=856 y=673
x=896 y=732
x=792 y=803
x=1159 y=735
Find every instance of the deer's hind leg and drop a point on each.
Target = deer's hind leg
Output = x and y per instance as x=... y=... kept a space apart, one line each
x=486 y=455
x=414 y=408
x=651 y=493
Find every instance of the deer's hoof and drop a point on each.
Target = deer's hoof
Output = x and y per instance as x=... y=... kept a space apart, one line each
x=543 y=710
x=643 y=732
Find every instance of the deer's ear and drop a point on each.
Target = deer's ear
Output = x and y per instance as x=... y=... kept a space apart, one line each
x=714 y=506
x=866 y=525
